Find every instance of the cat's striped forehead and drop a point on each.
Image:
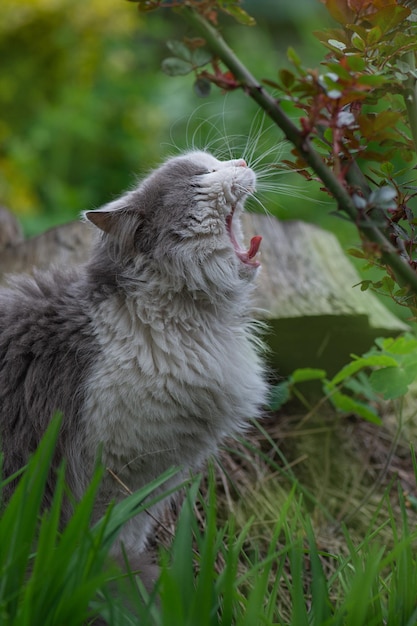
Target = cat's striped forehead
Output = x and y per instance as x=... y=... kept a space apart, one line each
x=197 y=162
x=196 y=157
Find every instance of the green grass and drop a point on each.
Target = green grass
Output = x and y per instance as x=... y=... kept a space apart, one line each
x=221 y=568
x=51 y=577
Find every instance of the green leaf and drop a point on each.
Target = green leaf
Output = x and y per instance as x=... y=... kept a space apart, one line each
x=373 y=360
x=358 y=253
x=405 y=344
x=349 y=405
x=339 y=70
x=308 y=373
x=402 y=293
x=200 y=57
x=403 y=67
x=372 y=80
x=374 y=35
x=389 y=17
x=393 y=382
x=362 y=388
x=358 y=42
x=365 y=284
x=387 y=168
x=176 y=67
x=293 y=57
x=356 y=62
x=179 y=49
x=337 y=45
x=386 y=285
x=240 y=15
x=286 y=77
x=279 y=395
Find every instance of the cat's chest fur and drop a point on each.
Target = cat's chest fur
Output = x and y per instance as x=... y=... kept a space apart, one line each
x=171 y=382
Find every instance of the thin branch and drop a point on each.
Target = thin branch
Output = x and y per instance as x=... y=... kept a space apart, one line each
x=255 y=90
x=410 y=96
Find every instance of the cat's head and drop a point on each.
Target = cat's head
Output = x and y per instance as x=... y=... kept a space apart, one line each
x=183 y=219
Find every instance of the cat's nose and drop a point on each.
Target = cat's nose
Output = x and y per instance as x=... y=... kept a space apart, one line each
x=241 y=163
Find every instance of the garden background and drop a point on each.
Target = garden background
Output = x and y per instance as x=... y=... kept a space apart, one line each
x=85 y=107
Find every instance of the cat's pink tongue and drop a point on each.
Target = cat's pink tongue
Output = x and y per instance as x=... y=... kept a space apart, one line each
x=255 y=242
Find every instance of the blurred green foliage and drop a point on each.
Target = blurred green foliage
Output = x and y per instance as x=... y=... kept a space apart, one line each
x=76 y=104
x=85 y=107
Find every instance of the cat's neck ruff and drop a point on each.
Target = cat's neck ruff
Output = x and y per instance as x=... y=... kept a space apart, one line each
x=198 y=373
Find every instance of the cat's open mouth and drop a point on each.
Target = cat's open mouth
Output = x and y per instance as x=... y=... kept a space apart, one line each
x=246 y=256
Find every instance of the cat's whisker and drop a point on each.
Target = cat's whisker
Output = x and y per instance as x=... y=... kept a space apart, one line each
x=256 y=200
x=252 y=140
x=272 y=169
x=260 y=141
x=257 y=147
x=225 y=134
x=277 y=150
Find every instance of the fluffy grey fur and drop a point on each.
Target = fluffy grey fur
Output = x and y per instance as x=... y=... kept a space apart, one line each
x=148 y=350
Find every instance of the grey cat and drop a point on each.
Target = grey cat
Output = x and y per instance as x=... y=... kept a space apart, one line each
x=148 y=350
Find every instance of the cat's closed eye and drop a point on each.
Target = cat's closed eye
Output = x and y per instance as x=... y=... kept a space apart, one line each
x=206 y=171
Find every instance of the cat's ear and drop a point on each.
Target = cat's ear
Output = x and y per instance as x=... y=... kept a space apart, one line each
x=119 y=220
x=104 y=219
x=112 y=217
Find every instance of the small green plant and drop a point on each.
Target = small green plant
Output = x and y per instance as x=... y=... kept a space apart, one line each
x=384 y=372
